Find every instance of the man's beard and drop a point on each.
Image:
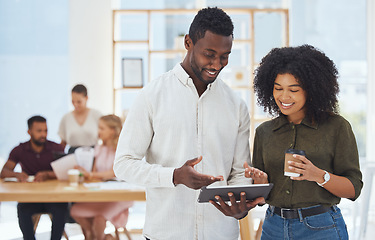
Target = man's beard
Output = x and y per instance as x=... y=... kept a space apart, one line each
x=39 y=142
x=198 y=73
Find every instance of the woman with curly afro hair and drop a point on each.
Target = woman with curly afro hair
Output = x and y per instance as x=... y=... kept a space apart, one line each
x=298 y=85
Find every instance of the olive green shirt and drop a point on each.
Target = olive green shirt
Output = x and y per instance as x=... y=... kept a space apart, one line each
x=329 y=145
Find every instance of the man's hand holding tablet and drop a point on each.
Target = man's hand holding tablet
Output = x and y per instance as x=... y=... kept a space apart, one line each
x=236 y=209
x=241 y=198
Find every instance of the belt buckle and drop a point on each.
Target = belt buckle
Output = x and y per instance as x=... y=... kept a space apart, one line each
x=284 y=210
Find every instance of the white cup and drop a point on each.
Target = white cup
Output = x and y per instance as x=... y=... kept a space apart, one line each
x=73 y=177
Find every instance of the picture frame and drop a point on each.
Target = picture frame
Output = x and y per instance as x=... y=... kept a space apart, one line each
x=132 y=72
x=237 y=76
x=240 y=76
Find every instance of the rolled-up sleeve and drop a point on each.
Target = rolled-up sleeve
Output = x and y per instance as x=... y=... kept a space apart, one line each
x=346 y=159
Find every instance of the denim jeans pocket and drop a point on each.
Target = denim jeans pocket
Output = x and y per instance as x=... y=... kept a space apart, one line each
x=268 y=214
x=320 y=221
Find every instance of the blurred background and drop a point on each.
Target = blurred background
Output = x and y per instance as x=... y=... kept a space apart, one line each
x=46 y=47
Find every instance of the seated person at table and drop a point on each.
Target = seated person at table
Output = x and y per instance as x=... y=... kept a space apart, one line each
x=35 y=157
x=92 y=216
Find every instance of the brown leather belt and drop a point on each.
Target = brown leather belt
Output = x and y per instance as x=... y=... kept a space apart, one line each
x=305 y=212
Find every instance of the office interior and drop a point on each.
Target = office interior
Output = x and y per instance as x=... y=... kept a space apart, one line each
x=46 y=47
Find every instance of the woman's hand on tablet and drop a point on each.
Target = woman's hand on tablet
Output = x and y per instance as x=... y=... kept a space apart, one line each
x=258 y=176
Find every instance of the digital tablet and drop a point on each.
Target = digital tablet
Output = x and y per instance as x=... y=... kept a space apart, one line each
x=252 y=191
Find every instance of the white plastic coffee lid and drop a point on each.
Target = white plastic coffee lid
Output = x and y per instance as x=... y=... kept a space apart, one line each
x=73 y=172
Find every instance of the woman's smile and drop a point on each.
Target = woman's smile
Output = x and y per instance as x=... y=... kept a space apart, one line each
x=290 y=97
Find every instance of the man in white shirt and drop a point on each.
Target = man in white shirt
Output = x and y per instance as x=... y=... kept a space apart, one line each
x=188 y=113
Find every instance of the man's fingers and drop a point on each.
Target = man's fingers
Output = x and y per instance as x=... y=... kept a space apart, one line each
x=194 y=161
x=243 y=197
x=191 y=178
x=218 y=178
x=232 y=199
x=208 y=181
x=217 y=206
x=243 y=201
x=224 y=206
x=199 y=180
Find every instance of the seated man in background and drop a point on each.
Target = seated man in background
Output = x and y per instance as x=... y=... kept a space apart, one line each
x=35 y=157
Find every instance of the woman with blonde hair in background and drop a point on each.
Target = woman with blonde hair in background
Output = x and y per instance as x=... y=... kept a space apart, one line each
x=92 y=216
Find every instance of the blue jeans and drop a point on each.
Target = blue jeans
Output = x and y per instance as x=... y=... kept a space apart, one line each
x=329 y=225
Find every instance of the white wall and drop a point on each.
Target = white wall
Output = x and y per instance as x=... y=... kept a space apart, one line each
x=90 y=50
x=370 y=141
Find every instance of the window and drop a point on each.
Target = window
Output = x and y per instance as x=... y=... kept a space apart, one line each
x=34 y=68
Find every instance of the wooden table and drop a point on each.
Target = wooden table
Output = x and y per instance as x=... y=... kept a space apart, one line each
x=60 y=191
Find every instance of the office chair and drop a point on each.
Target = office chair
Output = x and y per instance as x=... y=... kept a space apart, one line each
x=36 y=218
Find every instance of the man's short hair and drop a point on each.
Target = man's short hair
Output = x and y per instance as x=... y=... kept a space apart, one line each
x=35 y=119
x=80 y=88
x=214 y=20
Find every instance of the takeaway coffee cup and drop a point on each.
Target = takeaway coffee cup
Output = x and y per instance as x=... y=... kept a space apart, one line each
x=289 y=157
x=73 y=177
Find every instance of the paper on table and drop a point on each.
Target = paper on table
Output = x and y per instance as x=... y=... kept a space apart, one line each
x=85 y=157
x=14 y=179
x=62 y=165
x=112 y=185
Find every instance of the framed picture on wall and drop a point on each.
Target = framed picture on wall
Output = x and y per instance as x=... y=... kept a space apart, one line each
x=240 y=76
x=132 y=72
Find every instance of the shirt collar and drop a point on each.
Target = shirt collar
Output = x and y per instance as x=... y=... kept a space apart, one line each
x=184 y=77
x=310 y=124
x=28 y=145
x=181 y=74
x=282 y=120
x=29 y=148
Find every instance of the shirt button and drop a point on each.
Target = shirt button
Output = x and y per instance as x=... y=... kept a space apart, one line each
x=287 y=192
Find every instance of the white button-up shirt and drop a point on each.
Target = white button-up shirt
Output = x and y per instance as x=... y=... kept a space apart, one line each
x=169 y=124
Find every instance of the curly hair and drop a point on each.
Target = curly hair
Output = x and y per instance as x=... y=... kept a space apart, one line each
x=214 y=20
x=314 y=71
